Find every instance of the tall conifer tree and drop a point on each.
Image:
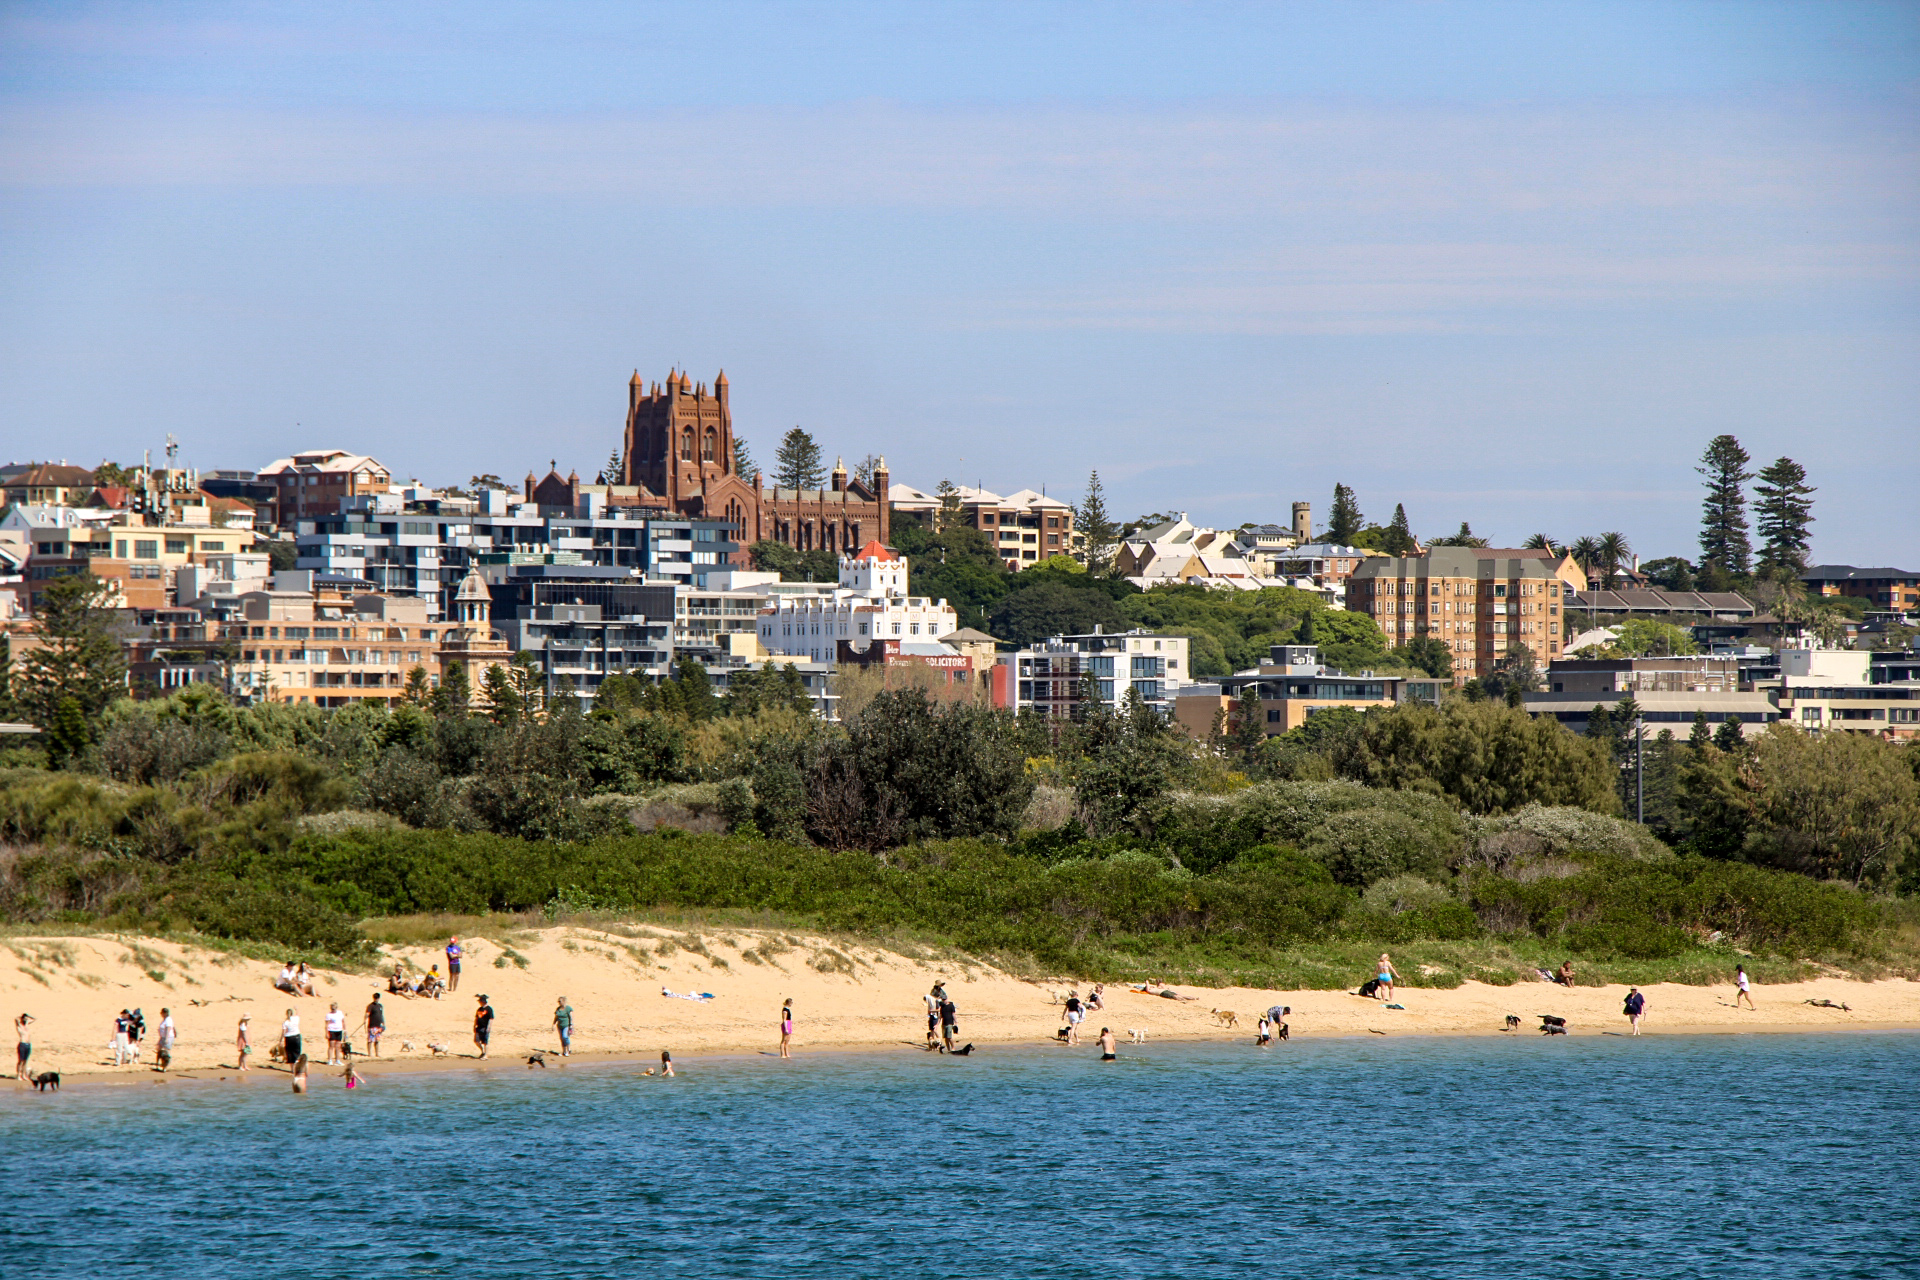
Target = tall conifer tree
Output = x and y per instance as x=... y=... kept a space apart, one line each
x=797 y=464
x=1782 y=515
x=1723 y=524
x=1345 y=519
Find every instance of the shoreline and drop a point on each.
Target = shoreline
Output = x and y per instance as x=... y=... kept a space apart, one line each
x=850 y=999
x=373 y=1068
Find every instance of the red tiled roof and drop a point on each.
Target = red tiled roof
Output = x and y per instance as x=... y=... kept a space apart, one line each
x=876 y=551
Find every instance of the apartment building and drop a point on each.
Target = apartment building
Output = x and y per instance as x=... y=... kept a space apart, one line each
x=1670 y=692
x=1832 y=691
x=1482 y=607
x=1291 y=686
x=1884 y=588
x=1025 y=526
x=582 y=623
x=328 y=644
x=1328 y=564
x=870 y=603
x=48 y=484
x=1061 y=676
x=139 y=559
x=313 y=484
x=424 y=548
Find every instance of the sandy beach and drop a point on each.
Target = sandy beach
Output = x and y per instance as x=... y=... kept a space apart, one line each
x=844 y=998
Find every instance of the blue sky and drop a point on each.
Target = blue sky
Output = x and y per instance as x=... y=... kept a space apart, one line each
x=1513 y=264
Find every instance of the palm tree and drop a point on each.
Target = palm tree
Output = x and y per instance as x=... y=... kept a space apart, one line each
x=1541 y=542
x=1586 y=552
x=1612 y=551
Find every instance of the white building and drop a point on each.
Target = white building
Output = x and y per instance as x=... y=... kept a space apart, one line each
x=1059 y=675
x=870 y=603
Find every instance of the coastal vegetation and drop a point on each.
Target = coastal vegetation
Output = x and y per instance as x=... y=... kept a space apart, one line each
x=1475 y=841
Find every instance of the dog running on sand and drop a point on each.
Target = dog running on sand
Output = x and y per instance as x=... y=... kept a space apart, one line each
x=1137 y=1035
x=1513 y=1022
x=1552 y=1026
x=437 y=1049
x=1226 y=1017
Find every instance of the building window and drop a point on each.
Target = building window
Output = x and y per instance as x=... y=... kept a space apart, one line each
x=178 y=546
x=146 y=549
x=706 y=448
x=686 y=445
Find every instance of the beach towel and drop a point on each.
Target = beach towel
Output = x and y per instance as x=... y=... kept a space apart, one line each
x=698 y=997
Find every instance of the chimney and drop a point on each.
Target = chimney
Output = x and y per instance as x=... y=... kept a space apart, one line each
x=839 y=475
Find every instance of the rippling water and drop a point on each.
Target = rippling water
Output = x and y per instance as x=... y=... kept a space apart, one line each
x=1758 y=1156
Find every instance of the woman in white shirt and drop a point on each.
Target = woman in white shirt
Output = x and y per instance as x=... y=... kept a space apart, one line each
x=336 y=1034
x=290 y=1037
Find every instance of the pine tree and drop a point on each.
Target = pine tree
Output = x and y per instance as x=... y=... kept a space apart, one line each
x=1782 y=515
x=797 y=464
x=503 y=704
x=416 y=694
x=1399 y=540
x=614 y=470
x=863 y=471
x=454 y=693
x=1249 y=725
x=1345 y=519
x=1095 y=525
x=742 y=460
x=78 y=657
x=1728 y=736
x=68 y=736
x=950 y=516
x=1701 y=736
x=1723 y=525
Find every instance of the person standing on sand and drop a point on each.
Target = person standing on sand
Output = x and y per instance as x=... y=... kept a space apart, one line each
x=290 y=1037
x=453 y=964
x=482 y=1025
x=122 y=1029
x=933 y=1011
x=243 y=1043
x=376 y=1024
x=786 y=1028
x=1106 y=1044
x=24 y=1049
x=1075 y=1012
x=1744 y=992
x=336 y=1034
x=563 y=1023
x=1635 y=1008
x=1387 y=975
x=949 y=1021
x=163 y=1037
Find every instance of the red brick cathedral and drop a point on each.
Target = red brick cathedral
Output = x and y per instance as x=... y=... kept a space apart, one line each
x=679 y=447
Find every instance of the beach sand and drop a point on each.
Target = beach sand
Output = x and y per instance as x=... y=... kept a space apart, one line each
x=845 y=997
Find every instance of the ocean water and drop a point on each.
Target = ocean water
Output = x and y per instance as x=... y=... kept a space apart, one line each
x=1602 y=1156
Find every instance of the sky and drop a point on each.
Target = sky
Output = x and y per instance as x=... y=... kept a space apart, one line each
x=1514 y=264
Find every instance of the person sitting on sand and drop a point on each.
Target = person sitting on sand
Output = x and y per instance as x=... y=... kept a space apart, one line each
x=1565 y=976
x=397 y=984
x=1096 y=999
x=285 y=981
x=303 y=981
x=430 y=986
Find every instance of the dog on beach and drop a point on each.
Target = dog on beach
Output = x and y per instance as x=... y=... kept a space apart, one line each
x=437 y=1049
x=407 y=1045
x=1137 y=1035
x=1226 y=1017
x=1513 y=1022
x=1552 y=1026
x=537 y=1060
x=276 y=1053
x=964 y=1051
x=45 y=1080
x=1370 y=988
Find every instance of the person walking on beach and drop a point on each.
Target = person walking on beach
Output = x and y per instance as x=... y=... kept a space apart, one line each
x=1106 y=1044
x=1387 y=976
x=136 y=1030
x=563 y=1023
x=336 y=1034
x=163 y=1037
x=1635 y=1008
x=786 y=1028
x=1075 y=1012
x=376 y=1024
x=24 y=1049
x=122 y=1028
x=482 y=1025
x=933 y=1011
x=949 y=1021
x=243 y=1043
x=453 y=964
x=290 y=1038
x=1744 y=992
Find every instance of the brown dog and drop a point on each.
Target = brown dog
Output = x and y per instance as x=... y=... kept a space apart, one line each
x=1226 y=1017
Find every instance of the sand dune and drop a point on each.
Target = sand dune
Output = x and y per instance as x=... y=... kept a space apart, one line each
x=844 y=997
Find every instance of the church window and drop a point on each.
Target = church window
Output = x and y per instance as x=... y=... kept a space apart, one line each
x=686 y=445
x=706 y=449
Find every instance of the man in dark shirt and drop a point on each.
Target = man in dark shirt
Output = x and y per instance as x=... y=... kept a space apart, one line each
x=949 y=1022
x=482 y=1025
x=376 y=1024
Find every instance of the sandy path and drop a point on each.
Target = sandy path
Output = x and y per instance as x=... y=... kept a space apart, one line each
x=843 y=997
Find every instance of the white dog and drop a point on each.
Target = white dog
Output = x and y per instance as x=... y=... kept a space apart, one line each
x=407 y=1046
x=1137 y=1035
x=436 y=1048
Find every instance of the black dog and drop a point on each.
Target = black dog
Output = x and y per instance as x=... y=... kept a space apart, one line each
x=45 y=1080
x=1513 y=1022
x=1552 y=1026
x=1281 y=1032
x=1370 y=988
x=961 y=1053
x=537 y=1060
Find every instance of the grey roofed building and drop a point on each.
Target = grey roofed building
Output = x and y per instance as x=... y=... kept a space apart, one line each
x=1726 y=605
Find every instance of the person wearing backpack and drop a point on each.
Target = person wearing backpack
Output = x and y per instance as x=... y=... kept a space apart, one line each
x=1635 y=1008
